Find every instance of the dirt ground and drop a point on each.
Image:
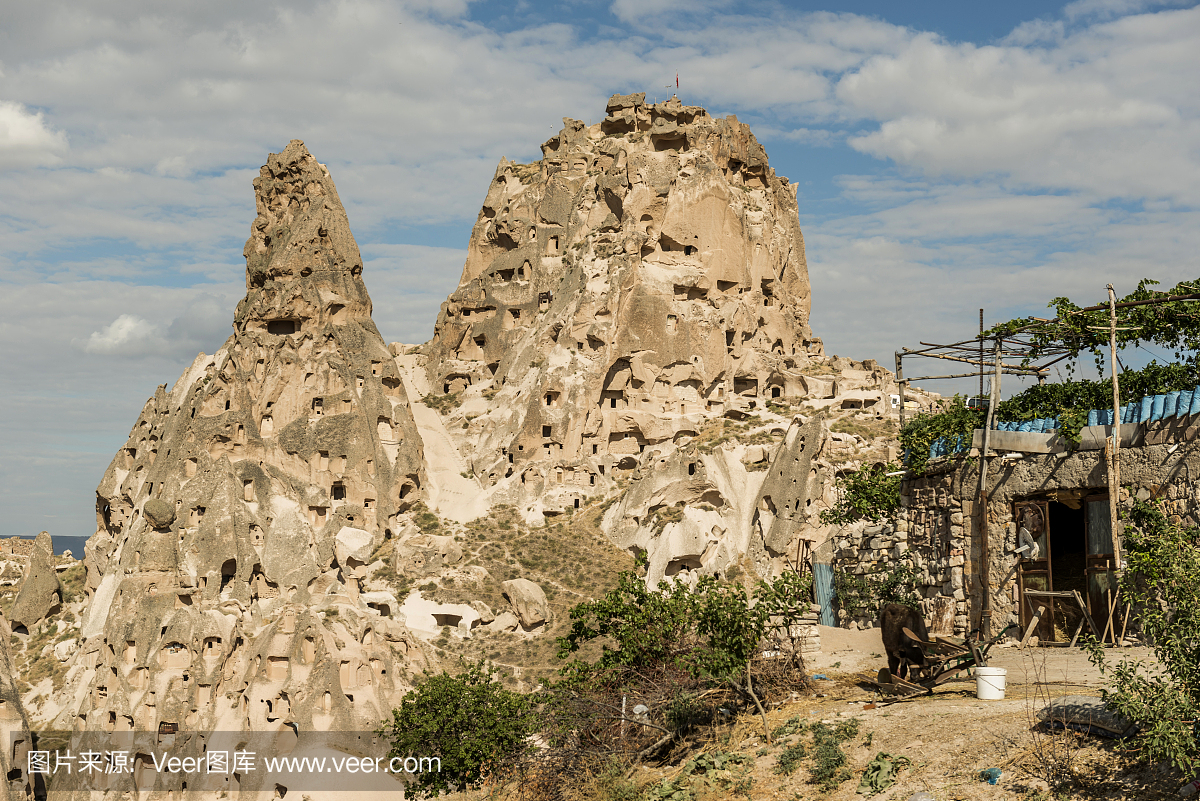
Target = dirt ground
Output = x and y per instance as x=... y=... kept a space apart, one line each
x=951 y=736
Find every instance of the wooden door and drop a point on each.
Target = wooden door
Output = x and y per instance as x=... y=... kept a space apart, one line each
x=1101 y=578
x=1033 y=570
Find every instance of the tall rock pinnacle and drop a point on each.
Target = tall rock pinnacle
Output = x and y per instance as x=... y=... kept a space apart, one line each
x=248 y=499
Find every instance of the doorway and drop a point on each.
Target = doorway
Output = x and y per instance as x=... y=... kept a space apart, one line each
x=1064 y=543
x=1068 y=564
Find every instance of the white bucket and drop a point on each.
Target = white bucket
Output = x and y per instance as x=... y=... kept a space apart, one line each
x=989 y=683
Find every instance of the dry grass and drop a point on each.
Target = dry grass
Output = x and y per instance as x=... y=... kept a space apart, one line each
x=568 y=558
x=867 y=428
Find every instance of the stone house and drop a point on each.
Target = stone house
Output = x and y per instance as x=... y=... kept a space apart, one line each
x=1047 y=526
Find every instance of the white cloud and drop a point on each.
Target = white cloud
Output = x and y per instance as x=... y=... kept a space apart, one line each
x=128 y=335
x=1101 y=111
x=637 y=10
x=1107 y=9
x=25 y=138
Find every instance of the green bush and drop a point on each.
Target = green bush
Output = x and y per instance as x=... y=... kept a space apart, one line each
x=711 y=631
x=895 y=584
x=1163 y=561
x=469 y=721
x=866 y=494
x=829 y=761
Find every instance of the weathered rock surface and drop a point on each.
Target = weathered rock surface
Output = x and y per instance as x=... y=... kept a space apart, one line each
x=41 y=592
x=528 y=602
x=223 y=575
x=648 y=272
x=640 y=283
x=14 y=728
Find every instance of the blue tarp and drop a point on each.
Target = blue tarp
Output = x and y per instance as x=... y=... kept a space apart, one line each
x=823 y=585
x=1152 y=408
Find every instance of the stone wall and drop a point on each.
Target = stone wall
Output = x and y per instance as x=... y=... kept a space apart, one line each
x=938 y=526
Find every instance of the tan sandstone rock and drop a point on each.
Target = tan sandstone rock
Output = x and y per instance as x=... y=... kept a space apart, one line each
x=222 y=578
x=41 y=592
x=528 y=602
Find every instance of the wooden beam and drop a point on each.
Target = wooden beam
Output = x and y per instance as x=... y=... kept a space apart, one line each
x=1033 y=624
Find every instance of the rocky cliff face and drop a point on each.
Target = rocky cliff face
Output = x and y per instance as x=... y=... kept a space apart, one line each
x=14 y=729
x=623 y=295
x=629 y=338
x=235 y=525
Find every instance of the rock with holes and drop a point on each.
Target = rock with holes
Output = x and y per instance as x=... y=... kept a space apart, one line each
x=224 y=591
x=14 y=726
x=630 y=303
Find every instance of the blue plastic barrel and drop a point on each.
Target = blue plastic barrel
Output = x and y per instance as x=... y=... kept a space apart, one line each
x=1156 y=408
x=1094 y=418
x=1185 y=403
x=1170 y=404
x=1146 y=408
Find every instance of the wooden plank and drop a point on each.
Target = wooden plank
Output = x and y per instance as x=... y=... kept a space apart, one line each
x=1075 y=636
x=1033 y=624
x=1083 y=608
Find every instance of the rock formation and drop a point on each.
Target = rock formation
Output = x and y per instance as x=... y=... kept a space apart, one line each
x=234 y=527
x=14 y=728
x=41 y=591
x=631 y=326
x=644 y=280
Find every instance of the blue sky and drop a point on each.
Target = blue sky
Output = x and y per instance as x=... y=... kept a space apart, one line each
x=948 y=156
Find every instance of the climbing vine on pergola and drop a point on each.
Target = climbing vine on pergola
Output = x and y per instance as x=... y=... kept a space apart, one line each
x=1167 y=319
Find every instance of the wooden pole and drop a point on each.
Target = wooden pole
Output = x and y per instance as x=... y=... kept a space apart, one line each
x=981 y=353
x=1114 y=453
x=900 y=385
x=985 y=616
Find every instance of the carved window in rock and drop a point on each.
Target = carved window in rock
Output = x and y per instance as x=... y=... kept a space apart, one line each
x=338 y=491
x=282 y=327
x=318 y=407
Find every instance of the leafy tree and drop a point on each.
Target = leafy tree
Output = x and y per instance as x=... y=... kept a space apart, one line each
x=469 y=721
x=1162 y=562
x=866 y=494
x=711 y=631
